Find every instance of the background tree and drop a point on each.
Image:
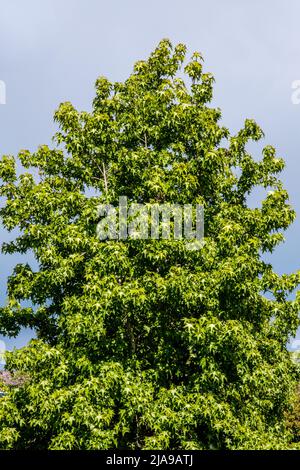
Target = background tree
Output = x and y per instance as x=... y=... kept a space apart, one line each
x=144 y=343
x=293 y=414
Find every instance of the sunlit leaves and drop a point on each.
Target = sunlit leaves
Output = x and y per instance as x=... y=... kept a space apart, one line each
x=143 y=343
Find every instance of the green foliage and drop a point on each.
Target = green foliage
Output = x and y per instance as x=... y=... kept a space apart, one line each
x=293 y=414
x=144 y=343
x=293 y=418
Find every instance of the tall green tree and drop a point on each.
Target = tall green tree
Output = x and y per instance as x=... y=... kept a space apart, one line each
x=146 y=343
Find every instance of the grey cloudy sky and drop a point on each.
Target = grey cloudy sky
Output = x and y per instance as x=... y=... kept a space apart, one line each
x=53 y=50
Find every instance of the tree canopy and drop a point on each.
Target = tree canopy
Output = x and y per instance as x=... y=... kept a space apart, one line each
x=145 y=344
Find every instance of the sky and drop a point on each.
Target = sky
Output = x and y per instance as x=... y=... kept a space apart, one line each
x=53 y=50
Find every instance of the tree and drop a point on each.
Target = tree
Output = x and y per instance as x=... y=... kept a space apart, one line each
x=293 y=418
x=11 y=380
x=146 y=343
x=293 y=414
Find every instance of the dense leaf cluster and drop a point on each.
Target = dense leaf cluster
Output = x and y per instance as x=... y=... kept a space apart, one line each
x=144 y=343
